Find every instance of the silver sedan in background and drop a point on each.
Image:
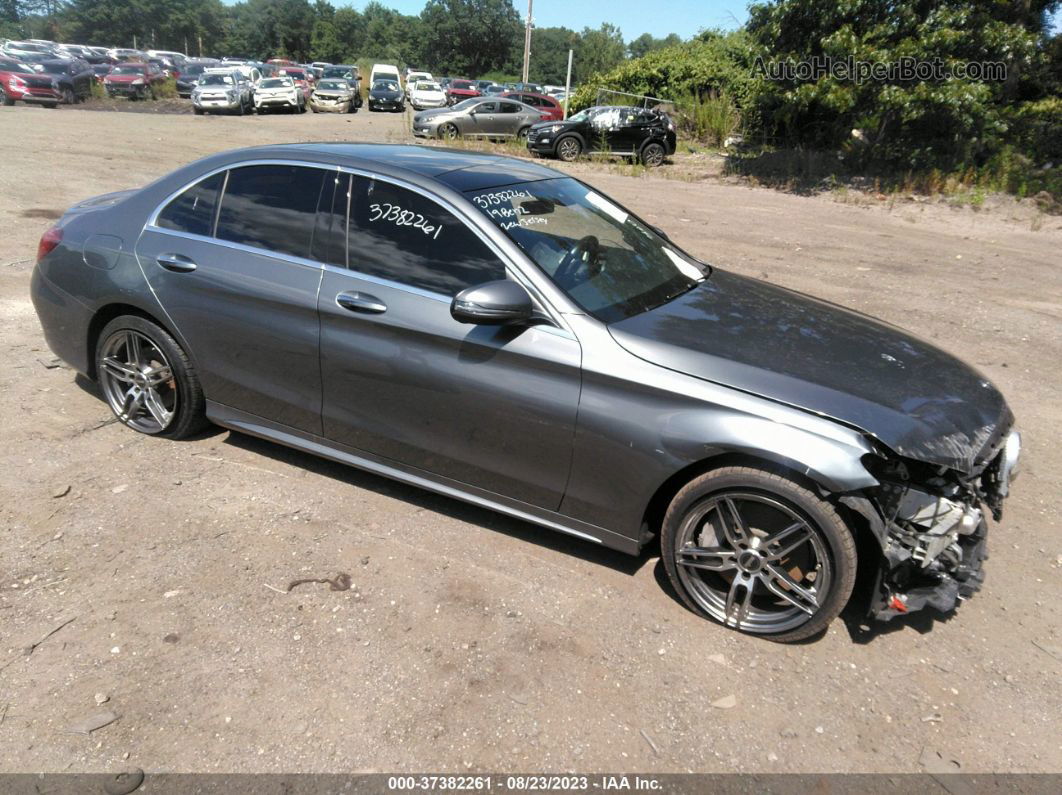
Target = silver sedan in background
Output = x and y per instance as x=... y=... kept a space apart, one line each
x=478 y=118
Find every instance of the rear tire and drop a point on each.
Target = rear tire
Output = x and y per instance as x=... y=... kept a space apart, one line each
x=449 y=131
x=136 y=386
x=758 y=552
x=68 y=96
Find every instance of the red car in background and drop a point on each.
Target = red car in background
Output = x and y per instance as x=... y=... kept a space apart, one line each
x=13 y=76
x=303 y=79
x=539 y=102
x=133 y=80
x=460 y=90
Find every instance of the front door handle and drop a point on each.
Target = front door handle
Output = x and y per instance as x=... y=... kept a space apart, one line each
x=361 y=302
x=177 y=263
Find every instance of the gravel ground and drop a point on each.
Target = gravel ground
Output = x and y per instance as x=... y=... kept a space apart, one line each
x=470 y=641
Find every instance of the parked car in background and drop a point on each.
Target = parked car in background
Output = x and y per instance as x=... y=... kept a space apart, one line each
x=100 y=71
x=191 y=73
x=303 y=80
x=445 y=82
x=415 y=75
x=426 y=94
x=279 y=93
x=647 y=135
x=531 y=88
x=133 y=80
x=281 y=62
x=16 y=49
x=123 y=54
x=174 y=57
x=348 y=72
x=460 y=90
x=72 y=76
x=494 y=89
x=483 y=85
x=546 y=104
x=386 y=95
x=478 y=117
x=13 y=82
x=222 y=89
x=333 y=96
x=384 y=71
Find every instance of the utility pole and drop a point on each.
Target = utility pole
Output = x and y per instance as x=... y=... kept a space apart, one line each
x=568 y=84
x=527 y=42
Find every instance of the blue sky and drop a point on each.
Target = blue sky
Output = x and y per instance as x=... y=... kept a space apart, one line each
x=684 y=17
x=633 y=17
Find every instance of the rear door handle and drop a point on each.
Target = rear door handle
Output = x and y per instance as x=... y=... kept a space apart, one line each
x=176 y=262
x=361 y=302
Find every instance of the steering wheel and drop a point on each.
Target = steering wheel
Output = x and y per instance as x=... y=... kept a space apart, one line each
x=584 y=253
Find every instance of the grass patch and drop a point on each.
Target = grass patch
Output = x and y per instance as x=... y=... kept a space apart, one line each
x=167 y=89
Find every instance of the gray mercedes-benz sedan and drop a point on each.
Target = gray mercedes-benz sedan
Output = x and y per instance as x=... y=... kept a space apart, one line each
x=504 y=334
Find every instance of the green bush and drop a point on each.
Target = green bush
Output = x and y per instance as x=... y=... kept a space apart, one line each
x=167 y=89
x=711 y=118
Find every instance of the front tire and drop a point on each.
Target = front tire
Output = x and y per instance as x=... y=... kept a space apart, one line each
x=449 y=131
x=568 y=148
x=148 y=380
x=759 y=553
x=653 y=155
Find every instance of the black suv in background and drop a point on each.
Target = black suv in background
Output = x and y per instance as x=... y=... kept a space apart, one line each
x=648 y=135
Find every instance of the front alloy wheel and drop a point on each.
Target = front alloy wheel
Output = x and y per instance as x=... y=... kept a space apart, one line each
x=148 y=380
x=569 y=148
x=759 y=553
x=449 y=131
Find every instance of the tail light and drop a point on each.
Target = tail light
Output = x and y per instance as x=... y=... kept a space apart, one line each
x=49 y=240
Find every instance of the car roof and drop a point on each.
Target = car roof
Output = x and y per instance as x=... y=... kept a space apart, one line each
x=457 y=169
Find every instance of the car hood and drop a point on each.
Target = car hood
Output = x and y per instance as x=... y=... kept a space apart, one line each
x=772 y=342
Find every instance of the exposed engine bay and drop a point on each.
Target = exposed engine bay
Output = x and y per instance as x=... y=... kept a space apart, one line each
x=932 y=526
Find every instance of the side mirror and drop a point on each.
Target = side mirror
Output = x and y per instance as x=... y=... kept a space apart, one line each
x=499 y=303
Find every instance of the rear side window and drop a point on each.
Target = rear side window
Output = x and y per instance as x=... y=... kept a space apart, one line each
x=193 y=210
x=329 y=243
x=509 y=107
x=405 y=237
x=271 y=207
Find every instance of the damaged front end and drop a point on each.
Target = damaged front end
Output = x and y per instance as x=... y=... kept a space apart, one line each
x=931 y=523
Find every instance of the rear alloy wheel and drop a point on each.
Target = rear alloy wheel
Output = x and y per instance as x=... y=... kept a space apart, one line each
x=521 y=134
x=148 y=380
x=653 y=155
x=68 y=96
x=758 y=553
x=569 y=148
x=4 y=98
x=449 y=131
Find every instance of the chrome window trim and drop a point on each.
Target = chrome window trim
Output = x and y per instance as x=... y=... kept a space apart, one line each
x=462 y=214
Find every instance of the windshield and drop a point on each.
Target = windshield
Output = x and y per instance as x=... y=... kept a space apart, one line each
x=384 y=85
x=332 y=85
x=424 y=85
x=606 y=260
x=56 y=67
x=275 y=82
x=128 y=70
x=338 y=72
x=215 y=80
x=194 y=69
x=12 y=66
x=466 y=104
x=461 y=84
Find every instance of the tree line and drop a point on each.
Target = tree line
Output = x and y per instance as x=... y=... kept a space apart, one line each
x=459 y=37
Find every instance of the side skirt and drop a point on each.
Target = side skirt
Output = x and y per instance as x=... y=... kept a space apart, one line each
x=241 y=421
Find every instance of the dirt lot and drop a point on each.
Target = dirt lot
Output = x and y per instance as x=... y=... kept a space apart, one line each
x=471 y=641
